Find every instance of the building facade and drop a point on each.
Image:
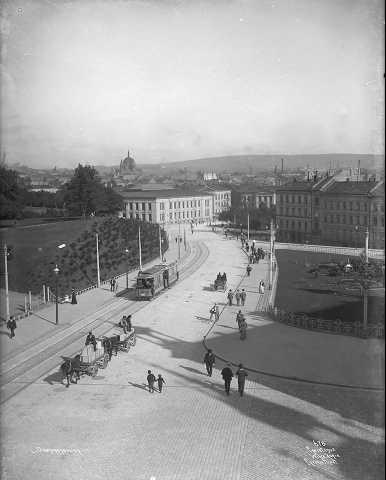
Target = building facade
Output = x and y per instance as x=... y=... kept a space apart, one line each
x=222 y=200
x=169 y=206
x=255 y=196
x=330 y=212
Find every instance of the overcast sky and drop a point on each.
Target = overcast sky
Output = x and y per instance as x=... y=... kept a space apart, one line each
x=172 y=80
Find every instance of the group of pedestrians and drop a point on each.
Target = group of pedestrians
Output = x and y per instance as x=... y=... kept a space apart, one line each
x=240 y=297
x=126 y=324
x=151 y=379
x=226 y=373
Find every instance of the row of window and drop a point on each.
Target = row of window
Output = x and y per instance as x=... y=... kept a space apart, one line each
x=337 y=219
x=300 y=212
x=294 y=199
x=139 y=206
x=183 y=215
x=344 y=205
x=141 y=216
x=182 y=204
x=291 y=223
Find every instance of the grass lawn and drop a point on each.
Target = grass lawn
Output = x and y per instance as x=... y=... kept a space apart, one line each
x=35 y=244
x=298 y=291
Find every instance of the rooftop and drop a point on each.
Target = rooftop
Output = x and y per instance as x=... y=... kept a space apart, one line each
x=304 y=186
x=153 y=194
x=353 y=188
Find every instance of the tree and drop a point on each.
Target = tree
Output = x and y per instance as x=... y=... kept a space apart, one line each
x=85 y=194
x=12 y=194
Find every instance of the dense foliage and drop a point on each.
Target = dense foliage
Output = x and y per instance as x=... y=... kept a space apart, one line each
x=11 y=194
x=118 y=253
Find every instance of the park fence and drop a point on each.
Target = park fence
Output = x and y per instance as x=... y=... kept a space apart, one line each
x=308 y=322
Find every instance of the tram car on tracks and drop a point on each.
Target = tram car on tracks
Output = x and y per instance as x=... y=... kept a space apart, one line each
x=155 y=279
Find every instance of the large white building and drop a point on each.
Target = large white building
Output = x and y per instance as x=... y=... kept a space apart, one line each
x=222 y=198
x=169 y=206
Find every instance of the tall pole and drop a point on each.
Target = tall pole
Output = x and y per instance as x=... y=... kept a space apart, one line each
x=56 y=271
x=160 y=242
x=367 y=246
x=179 y=238
x=248 y=227
x=97 y=259
x=271 y=256
x=184 y=239
x=140 y=248
x=365 y=289
x=6 y=283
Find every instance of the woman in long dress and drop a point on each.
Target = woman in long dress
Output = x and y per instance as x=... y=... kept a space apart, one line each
x=73 y=298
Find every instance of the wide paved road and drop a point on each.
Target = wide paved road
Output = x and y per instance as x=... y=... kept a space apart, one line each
x=111 y=427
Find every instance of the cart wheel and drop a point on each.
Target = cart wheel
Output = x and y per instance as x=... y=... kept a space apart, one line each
x=133 y=340
x=127 y=346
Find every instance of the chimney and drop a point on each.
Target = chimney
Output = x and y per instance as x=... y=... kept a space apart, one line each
x=308 y=176
x=282 y=165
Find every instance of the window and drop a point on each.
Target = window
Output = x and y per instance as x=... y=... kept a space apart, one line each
x=338 y=219
x=365 y=220
x=383 y=221
x=344 y=205
x=143 y=206
x=358 y=220
x=350 y=205
x=358 y=205
x=281 y=198
x=351 y=220
x=150 y=217
x=343 y=218
x=305 y=225
x=161 y=206
x=183 y=214
x=199 y=203
x=305 y=200
x=175 y=206
x=286 y=223
x=131 y=205
x=299 y=212
x=162 y=217
x=137 y=216
x=325 y=204
x=293 y=225
x=149 y=206
x=293 y=210
x=170 y=205
x=375 y=221
x=300 y=225
x=171 y=216
x=316 y=201
x=299 y=199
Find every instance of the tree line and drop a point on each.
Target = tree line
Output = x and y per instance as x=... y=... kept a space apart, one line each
x=84 y=194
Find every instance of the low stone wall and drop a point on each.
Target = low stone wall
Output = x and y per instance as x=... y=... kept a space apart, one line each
x=302 y=320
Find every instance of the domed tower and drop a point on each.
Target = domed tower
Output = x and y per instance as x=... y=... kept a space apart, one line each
x=127 y=165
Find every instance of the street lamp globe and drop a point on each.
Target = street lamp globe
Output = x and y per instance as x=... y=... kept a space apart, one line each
x=56 y=270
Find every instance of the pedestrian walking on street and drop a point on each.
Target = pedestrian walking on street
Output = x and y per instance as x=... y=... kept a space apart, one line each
x=239 y=318
x=209 y=361
x=115 y=286
x=243 y=296
x=150 y=381
x=108 y=347
x=261 y=287
x=160 y=381
x=237 y=296
x=249 y=269
x=11 y=325
x=241 y=374
x=227 y=376
x=212 y=312
x=111 y=285
x=243 y=329
x=73 y=297
x=230 y=297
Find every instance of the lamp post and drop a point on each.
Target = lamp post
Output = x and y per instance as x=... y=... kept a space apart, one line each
x=56 y=271
x=127 y=273
x=179 y=240
x=6 y=283
x=271 y=253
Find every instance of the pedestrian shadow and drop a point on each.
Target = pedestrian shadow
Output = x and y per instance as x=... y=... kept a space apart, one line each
x=209 y=289
x=226 y=326
x=141 y=386
x=5 y=333
x=193 y=370
x=203 y=319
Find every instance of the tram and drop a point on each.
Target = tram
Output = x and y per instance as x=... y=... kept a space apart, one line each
x=155 y=279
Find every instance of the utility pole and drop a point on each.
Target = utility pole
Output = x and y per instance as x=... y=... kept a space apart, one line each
x=6 y=283
x=179 y=240
x=248 y=227
x=140 y=249
x=365 y=286
x=97 y=260
x=271 y=254
x=160 y=243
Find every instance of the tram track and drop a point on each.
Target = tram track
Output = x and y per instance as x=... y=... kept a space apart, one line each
x=23 y=373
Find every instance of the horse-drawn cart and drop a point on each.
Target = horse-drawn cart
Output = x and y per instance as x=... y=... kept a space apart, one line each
x=220 y=284
x=122 y=341
x=92 y=359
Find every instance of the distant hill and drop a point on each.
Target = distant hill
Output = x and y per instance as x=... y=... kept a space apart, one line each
x=248 y=163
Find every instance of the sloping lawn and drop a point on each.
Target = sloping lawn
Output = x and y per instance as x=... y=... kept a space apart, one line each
x=299 y=292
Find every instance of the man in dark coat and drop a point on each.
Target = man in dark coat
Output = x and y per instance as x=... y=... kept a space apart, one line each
x=66 y=368
x=124 y=324
x=11 y=325
x=209 y=361
x=227 y=375
x=150 y=381
x=241 y=374
x=129 y=324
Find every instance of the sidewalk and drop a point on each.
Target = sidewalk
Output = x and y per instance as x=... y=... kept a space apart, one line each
x=312 y=356
x=40 y=326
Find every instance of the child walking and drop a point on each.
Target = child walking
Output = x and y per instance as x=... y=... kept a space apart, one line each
x=160 y=381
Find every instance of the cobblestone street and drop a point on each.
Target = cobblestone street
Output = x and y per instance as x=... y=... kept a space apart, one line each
x=111 y=426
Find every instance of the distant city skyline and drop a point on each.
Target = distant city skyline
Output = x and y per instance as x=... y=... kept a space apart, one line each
x=83 y=82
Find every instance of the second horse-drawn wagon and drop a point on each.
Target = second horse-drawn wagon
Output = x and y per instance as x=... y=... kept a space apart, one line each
x=220 y=283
